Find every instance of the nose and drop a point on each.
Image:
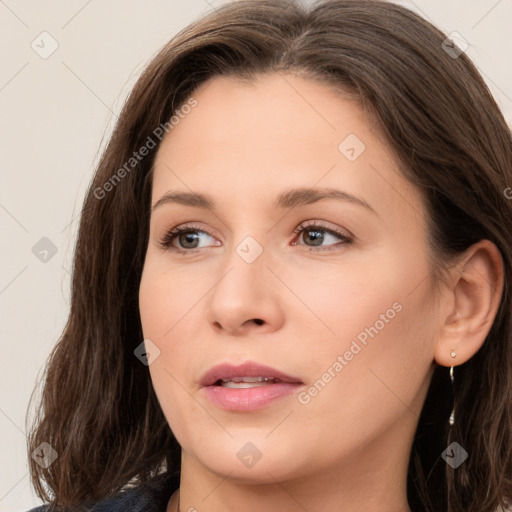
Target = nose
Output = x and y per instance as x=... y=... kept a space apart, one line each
x=247 y=297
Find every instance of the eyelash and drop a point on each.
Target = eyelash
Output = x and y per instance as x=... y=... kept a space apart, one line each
x=166 y=241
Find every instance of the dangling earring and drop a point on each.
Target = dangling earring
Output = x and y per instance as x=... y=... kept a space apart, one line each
x=452 y=415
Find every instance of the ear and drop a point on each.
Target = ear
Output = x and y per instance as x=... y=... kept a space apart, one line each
x=474 y=295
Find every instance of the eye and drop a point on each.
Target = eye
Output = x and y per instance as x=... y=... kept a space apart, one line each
x=316 y=235
x=188 y=237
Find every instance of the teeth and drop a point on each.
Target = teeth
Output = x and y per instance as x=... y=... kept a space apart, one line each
x=248 y=379
x=247 y=382
x=242 y=385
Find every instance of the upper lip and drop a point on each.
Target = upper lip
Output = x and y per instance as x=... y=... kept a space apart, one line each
x=247 y=369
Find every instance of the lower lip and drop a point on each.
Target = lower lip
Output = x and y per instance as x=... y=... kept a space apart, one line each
x=249 y=399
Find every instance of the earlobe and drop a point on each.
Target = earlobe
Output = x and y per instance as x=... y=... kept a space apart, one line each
x=475 y=295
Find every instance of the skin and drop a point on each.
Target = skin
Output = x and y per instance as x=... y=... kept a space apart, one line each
x=351 y=442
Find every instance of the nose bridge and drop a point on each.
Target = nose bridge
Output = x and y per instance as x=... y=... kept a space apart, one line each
x=245 y=271
x=244 y=292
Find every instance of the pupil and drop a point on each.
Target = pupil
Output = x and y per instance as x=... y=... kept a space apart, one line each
x=317 y=237
x=188 y=237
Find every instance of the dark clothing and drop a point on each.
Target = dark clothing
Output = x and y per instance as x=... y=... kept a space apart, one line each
x=152 y=497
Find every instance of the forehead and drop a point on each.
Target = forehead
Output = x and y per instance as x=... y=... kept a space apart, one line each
x=244 y=142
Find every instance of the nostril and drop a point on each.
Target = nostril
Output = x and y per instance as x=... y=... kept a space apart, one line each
x=258 y=321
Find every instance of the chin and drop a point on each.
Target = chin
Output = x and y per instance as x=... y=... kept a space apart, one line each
x=251 y=459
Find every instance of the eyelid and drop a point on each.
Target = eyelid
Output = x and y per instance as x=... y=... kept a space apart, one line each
x=342 y=232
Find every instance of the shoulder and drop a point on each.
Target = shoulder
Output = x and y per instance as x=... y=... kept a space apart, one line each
x=141 y=498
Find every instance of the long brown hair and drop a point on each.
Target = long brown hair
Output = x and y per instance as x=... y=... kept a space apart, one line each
x=98 y=409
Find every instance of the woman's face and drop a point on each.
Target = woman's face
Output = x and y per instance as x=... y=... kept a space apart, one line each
x=310 y=259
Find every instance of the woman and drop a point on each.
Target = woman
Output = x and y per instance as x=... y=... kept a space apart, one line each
x=337 y=335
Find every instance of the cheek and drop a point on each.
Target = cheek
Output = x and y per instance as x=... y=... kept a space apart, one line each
x=166 y=295
x=375 y=316
x=168 y=301
x=367 y=293
x=374 y=369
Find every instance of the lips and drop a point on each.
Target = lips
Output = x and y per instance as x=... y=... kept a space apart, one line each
x=249 y=372
x=248 y=387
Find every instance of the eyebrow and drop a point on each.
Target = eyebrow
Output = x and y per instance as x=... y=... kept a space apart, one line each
x=287 y=199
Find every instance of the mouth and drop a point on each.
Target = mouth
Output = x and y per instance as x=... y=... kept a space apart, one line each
x=246 y=382
x=247 y=387
x=248 y=374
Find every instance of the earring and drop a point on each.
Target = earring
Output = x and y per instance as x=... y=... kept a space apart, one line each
x=452 y=415
x=452 y=353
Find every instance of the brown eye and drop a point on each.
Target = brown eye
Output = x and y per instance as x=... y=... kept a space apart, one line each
x=187 y=237
x=314 y=235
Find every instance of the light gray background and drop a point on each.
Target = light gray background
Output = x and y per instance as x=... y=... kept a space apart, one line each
x=56 y=116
